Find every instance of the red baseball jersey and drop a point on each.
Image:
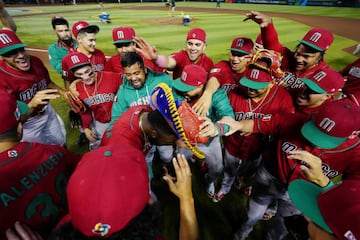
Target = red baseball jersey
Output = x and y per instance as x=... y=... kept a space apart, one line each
x=114 y=65
x=227 y=79
x=343 y=160
x=271 y=41
x=126 y=129
x=33 y=180
x=99 y=97
x=278 y=100
x=352 y=84
x=24 y=85
x=97 y=59
x=182 y=59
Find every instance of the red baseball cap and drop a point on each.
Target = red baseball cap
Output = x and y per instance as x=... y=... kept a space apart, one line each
x=9 y=41
x=75 y=59
x=110 y=186
x=11 y=111
x=192 y=76
x=318 y=38
x=333 y=124
x=197 y=33
x=242 y=44
x=123 y=35
x=325 y=80
x=255 y=78
x=335 y=209
x=84 y=27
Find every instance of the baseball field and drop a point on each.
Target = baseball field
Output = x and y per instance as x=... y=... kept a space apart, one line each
x=153 y=21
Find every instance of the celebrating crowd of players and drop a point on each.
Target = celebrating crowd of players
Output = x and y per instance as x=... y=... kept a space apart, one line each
x=281 y=120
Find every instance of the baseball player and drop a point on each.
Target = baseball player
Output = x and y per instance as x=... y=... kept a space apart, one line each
x=226 y=74
x=193 y=54
x=331 y=134
x=352 y=75
x=125 y=166
x=264 y=98
x=173 y=6
x=123 y=40
x=65 y=43
x=33 y=176
x=85 y=35
x=308 y=56
x=26 y=77
x=332 y=213
x=139 y=82
x=190 y=87
x=97 y=91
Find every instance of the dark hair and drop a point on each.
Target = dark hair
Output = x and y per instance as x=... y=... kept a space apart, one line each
x=74 y=69
x=11 y=135
x=159 y=123
x=145 y=226
x=131 y=58
x=59 y=21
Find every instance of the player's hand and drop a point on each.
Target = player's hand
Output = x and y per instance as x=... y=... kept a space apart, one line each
x=75 y=119
x=208 y=128
x=182 y=186
x=233 y=124
x=311 y=166
x=22 y=232
x=90 y=135
x=145 y=48
x=202 y=106
x=72 y=88
x=43 y=97
x=261 y=19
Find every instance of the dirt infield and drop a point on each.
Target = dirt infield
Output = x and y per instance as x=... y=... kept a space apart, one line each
x=340 y=26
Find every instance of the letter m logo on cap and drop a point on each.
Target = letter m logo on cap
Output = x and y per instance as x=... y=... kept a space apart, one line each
x=319 y=76
x=75 y=59
x=315 y=37
x=5 y=39
x=327 y=124
x=254 y=74
x=120 y=34
x=240 y=43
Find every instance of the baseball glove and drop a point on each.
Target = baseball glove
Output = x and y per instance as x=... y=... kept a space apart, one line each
x=75 y=103
x=162 y=100
x=269 y=61
x=191 y=124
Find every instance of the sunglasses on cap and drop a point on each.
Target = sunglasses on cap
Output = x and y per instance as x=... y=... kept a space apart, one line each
x=121 y=45
x=238 y=54
x=14 y=52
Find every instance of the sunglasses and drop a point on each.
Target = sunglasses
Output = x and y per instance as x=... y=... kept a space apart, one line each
x=121 y=45
x=238 y=54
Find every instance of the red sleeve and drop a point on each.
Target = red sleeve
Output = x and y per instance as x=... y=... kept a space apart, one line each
x=86 y=118
x=270 y=38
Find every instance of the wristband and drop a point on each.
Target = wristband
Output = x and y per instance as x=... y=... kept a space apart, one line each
x=161 y=61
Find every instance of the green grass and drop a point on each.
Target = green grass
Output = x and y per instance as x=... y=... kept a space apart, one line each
x=217 y=221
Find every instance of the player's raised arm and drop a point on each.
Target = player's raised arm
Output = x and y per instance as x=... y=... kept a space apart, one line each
x=5 y=18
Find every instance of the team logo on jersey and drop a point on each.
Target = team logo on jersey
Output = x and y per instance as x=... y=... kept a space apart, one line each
x=101 y=229
x=12 y=153
x=215 y=70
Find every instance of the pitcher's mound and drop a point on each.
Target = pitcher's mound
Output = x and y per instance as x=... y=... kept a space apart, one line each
x=166 y=20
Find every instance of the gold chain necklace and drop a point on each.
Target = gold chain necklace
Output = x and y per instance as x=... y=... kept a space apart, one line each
x=252 y=110
x=147 y=144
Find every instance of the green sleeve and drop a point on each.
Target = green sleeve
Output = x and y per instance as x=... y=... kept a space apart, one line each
x=120 y=106
x=221 y=106
x=56 y=55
